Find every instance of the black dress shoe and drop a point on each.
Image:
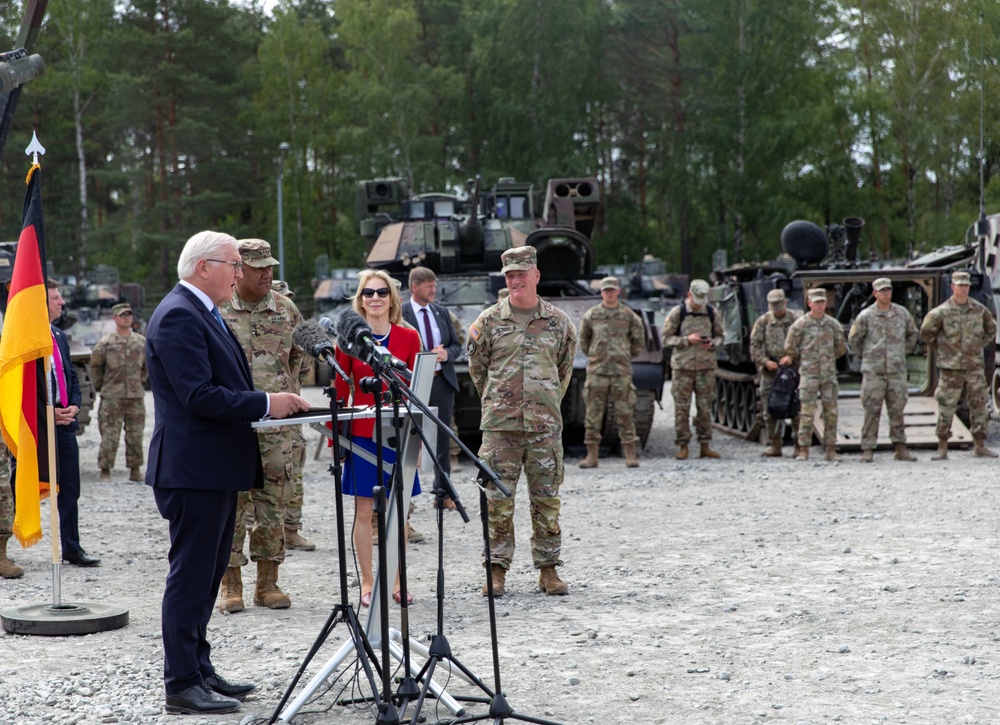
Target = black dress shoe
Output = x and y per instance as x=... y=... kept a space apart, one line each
x=230 y=689
x=200 y=698
x=81 y=558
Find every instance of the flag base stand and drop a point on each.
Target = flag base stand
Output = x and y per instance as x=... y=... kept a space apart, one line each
x=58 y=620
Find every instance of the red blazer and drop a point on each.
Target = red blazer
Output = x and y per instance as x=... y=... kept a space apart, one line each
x=404 y=344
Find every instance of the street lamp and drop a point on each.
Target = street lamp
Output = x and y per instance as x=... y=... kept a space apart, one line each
x=283 y=148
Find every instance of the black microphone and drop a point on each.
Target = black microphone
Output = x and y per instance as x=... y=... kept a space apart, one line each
x=354 y=336
x=310 y=337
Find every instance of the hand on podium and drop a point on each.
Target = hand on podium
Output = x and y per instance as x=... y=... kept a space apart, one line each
x=286 y=404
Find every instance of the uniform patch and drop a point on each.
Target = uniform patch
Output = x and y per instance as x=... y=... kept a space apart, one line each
x=474 y=332
x=470 y=348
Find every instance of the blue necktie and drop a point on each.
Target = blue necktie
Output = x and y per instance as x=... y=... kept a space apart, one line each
x=216 y=315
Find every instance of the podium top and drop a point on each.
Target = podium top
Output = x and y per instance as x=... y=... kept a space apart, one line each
x=322 y=415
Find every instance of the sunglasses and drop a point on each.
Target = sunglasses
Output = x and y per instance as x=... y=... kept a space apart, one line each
x=369 y=293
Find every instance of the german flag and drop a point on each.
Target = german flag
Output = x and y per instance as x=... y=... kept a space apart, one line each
x=24 y=344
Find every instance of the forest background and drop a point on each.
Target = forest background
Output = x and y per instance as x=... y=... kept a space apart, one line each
x=710 y=125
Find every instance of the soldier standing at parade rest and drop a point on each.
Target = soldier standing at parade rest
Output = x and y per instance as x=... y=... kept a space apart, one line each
x=521 y=354
x=611 y=334
x=814 y=343
x=767 y=348
x=263 y=324
x=959 y=328
x=882 y=335
x=694 y=330
x=8 y=569
x=118 y=371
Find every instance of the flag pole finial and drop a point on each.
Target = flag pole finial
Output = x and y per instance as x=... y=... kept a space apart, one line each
x=34 y=148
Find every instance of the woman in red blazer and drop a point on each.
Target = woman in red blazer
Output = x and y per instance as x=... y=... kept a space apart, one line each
x=377 y=300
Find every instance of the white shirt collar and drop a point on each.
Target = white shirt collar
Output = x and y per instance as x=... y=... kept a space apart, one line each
x=209 y=305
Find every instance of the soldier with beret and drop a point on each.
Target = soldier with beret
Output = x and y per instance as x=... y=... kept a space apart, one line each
x=611 y=334
x=959 y=328
x=882 y=335
x=814 y=343
x=263 y=322
x=118 y=371
x=694 y=330
x=767 y=348
x=521 y=354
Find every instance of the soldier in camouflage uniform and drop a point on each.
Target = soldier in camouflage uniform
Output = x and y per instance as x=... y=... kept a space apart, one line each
x=882 y=335
x=959 y=328
x=694 y=330
x=521 y=355
x=814 y=343
x=611 y=334
x=263 y=322
x=118 y=370
x=8 y=569
x=767 y=349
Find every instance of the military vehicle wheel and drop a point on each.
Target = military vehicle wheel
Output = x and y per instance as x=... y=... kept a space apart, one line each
x=741 y=408
x=995 y=391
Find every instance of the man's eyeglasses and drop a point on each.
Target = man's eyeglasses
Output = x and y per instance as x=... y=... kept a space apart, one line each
x=369 y=293
x=235 y=265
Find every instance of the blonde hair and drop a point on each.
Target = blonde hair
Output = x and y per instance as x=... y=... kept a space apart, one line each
x=395 y=304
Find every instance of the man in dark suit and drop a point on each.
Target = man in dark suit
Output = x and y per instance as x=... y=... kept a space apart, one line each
x=437 y=335
x=202 y=453
x=66 y=406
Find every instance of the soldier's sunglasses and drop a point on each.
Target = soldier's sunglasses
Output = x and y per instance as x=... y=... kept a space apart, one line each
x=369 y=293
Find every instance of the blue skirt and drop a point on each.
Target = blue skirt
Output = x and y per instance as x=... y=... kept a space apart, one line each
x=360 y=475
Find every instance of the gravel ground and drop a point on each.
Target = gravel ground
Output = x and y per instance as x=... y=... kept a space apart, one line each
x=741 y=590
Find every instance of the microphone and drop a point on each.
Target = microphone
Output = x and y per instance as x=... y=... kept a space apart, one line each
x=354 y=336
x=312 y=338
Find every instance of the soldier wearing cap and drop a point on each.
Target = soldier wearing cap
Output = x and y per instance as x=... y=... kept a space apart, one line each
x=521 y=354
x=611 y=334
x=263 y=322
x=959 y=328
x=767 y=348
x=881 y=336
x=118 y=371
x=694 y=330
x=814 y=343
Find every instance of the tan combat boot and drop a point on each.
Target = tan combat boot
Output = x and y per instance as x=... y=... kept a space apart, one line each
x=902 y=454
x=591 y=460
x=775 y=450
x=8 y=569
x=295 y=540
x=981 y=451
x=550 y=583
x=867 y=455
x=801 y=453
x=631 y=458
x=707 y=452
x=942 y=450
x=231 y=591
x=499 y=576
x=267 y=594
x=105 y=476
x=412 y=535
x=682 y=452
x=831 y=453
x=135 y=475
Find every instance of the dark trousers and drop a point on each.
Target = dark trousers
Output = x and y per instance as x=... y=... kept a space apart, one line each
x=443 y=398
x=68 y=500
x=201 y=534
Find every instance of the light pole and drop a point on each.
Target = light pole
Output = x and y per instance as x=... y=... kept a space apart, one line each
x=283 y=148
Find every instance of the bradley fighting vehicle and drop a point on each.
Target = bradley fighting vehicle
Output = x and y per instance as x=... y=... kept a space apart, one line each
x=461 y=239
x=814 y=257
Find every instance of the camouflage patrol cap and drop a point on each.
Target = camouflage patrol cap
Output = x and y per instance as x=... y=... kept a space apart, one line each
x=121 y=309
x=281 y=287
x=256 y=253
x=699 y=291
x=882 y=283
x=518 y=259
x=610 y=283
x=776 y=297
x=960 y=278
x=817 y=294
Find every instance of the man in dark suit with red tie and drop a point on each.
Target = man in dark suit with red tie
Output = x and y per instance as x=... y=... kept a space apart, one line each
x=202 y=453
x=437 y=335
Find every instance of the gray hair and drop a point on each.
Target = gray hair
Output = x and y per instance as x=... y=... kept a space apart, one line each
x=203 y=245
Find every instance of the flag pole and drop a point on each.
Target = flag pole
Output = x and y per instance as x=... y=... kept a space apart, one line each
x=50 y=424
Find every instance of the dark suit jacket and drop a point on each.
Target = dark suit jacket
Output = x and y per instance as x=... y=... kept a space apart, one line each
x=69 y=372
x=448 y=339
x=204 y=400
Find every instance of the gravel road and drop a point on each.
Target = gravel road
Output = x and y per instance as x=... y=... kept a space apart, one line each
x=743 y=590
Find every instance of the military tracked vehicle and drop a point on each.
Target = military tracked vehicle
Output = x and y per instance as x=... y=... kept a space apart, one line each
x=813 y=257
x=462 y=239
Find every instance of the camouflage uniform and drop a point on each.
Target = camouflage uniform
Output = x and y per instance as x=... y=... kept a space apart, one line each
x=767 y=342
x=522 y=374
x=6 y=495
x=882 y=339
x=293 y=506
x=692 y=370
x=960 y=332
x=118 y=370
x=610 y=337
x=814 y=345
x=265 y=332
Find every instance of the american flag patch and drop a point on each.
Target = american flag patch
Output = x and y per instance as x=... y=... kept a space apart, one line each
x=474 y=331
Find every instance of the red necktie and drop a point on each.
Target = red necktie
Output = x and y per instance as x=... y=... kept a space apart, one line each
x=60 y=376
x=428 y=334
